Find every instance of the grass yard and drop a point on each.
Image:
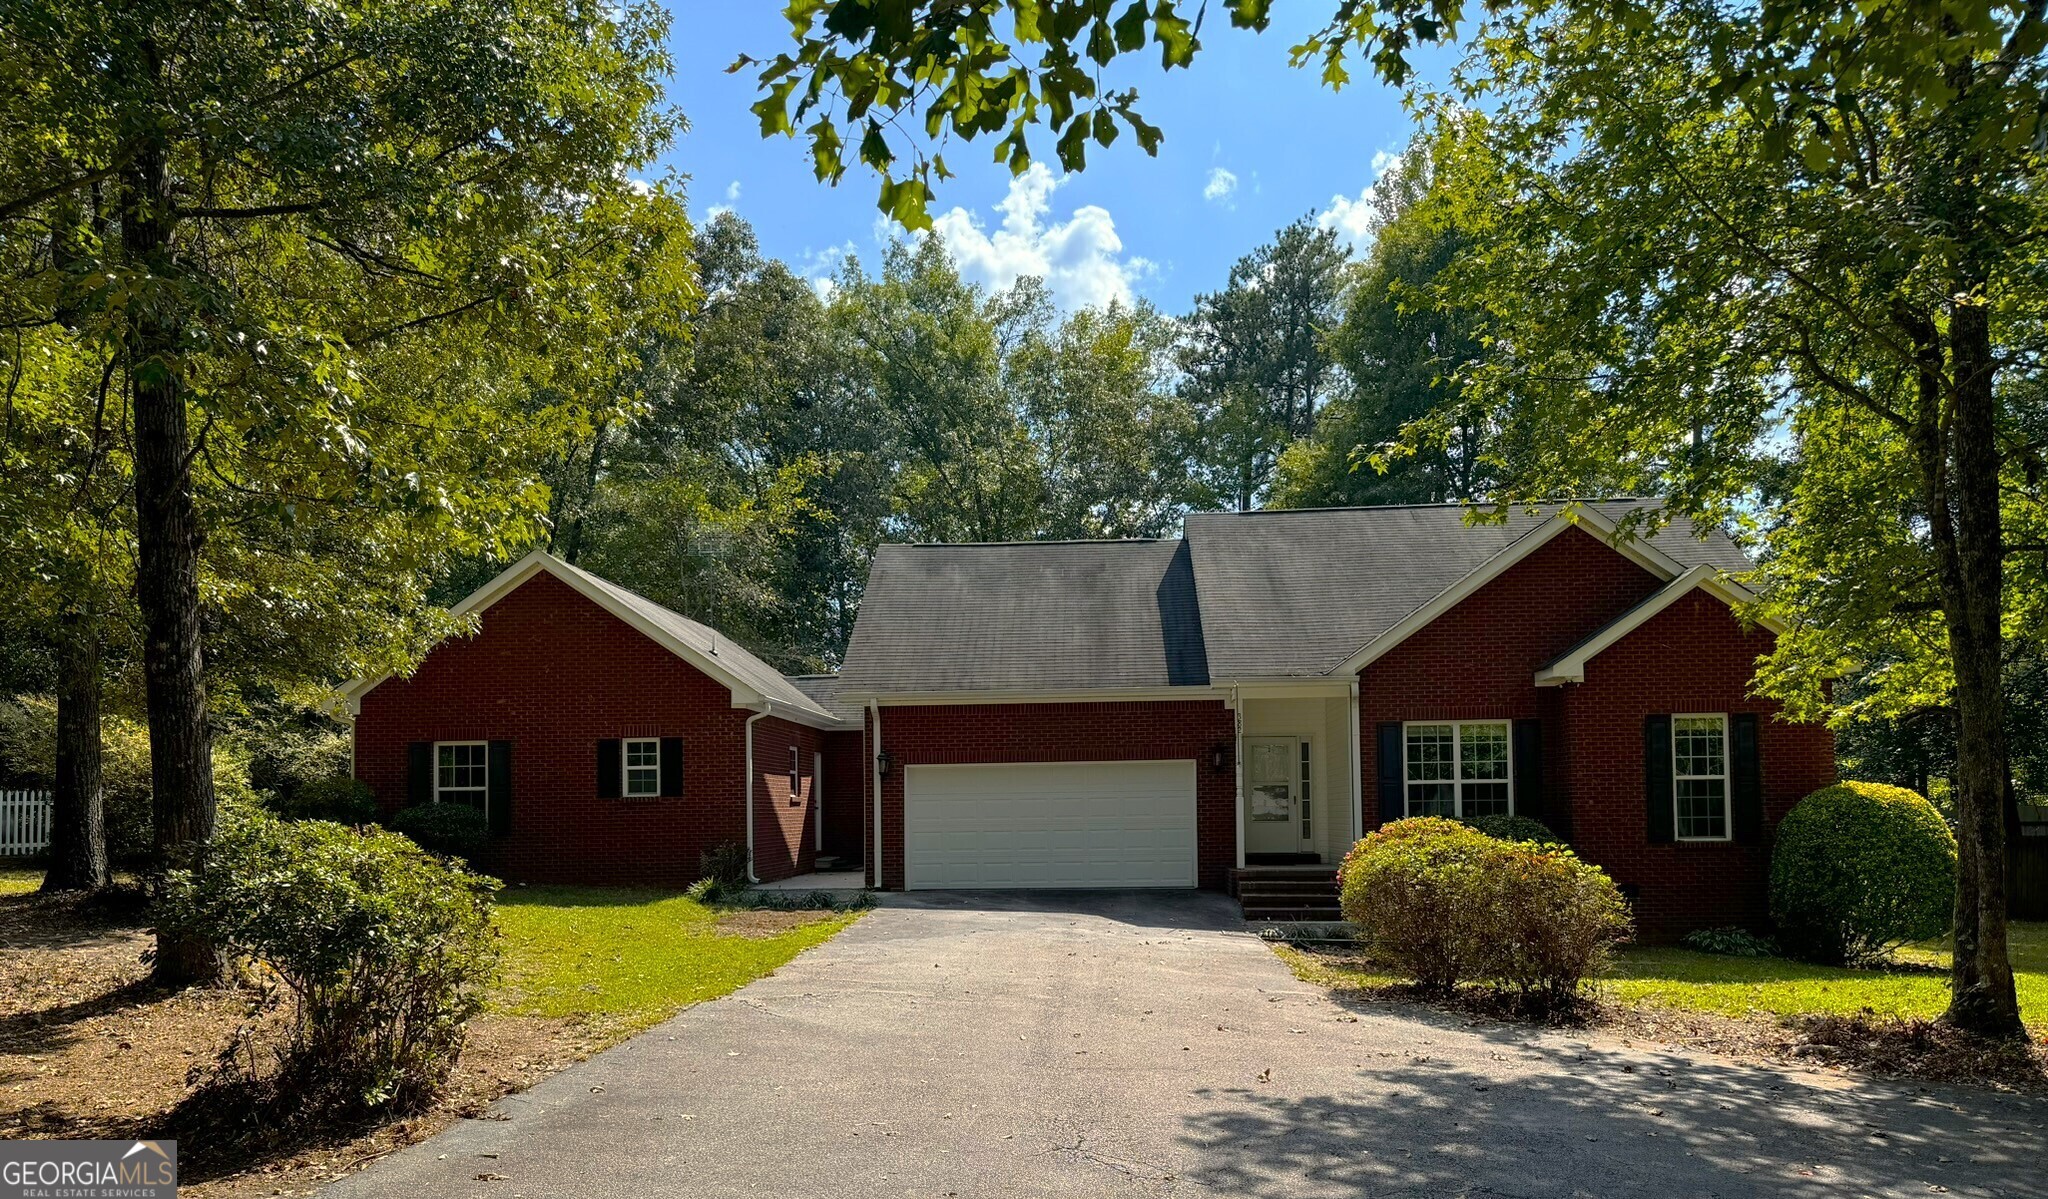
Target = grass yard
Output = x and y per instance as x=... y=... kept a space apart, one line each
x=1729 y=986
x=629 y=959
x=1718 y=985
x=18 y=880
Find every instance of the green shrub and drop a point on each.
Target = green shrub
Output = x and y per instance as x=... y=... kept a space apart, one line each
x=28 y=742
x=1443 y=904
x=1730 y=942
x=1859 y=869
x=1413 y=888
x=1557 y=920
x=342 y=800
x=725 y=865
x=451 y=830
x=1516 y=828
x=377 y=953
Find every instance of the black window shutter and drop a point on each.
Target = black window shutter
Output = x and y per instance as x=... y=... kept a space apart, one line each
x=1657 y=778
x=1529 y=768
x=419 y=773
x=1393 y=797
x=672 y=767
x=1745 y=780
x=608 y=769
x=498 y=777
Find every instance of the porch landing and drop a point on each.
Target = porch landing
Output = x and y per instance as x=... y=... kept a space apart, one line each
x=836 y=881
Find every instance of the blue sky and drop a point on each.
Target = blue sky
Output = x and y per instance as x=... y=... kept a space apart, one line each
x=1251 y=144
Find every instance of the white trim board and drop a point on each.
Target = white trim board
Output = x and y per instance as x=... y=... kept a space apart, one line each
x=1571 y=668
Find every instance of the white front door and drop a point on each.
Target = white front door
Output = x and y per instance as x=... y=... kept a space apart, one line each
x=1045 y=824
x=1275 y=774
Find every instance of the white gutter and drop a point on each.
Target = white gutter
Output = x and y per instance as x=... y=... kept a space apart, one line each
x=766 y=707
x=875 y=772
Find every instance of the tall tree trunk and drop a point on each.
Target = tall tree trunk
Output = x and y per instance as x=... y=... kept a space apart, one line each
x=1971 y=553
x=78 y=833
x=167 y=536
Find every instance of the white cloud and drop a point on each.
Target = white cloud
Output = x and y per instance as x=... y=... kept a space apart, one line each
x=1222 y=183
x=820 y=267
x=732 y=200
x=1081 y=258
x=1352 y=216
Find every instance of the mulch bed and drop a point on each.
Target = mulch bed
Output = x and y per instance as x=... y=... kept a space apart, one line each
x=89 y=1048
x=1881 y=1046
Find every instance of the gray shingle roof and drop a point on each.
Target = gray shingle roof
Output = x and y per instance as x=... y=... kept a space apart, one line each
x=824 y=691
x=1288 y=593
x=1079 y=615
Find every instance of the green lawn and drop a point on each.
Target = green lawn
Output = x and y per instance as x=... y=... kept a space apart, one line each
x=1731 y=986
x=1737 y=986
x=19 y=880
x=630 y=959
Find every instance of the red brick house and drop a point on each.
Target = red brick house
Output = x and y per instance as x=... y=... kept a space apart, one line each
x=1261 y=691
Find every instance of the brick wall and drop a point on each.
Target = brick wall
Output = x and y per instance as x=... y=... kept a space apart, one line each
x=939 y=734
x=785 y=817
x=554 y=673
x=1477 y=661
x=1691 y=657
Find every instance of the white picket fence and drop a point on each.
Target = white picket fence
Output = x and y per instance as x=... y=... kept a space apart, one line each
x=24 y=823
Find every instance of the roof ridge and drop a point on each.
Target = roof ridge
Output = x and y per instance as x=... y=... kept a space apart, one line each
x=1565 y=499
x=985 y=545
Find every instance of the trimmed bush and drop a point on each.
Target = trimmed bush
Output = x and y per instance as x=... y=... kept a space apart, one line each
x=342 y=800
x=1516 y=828
x=1859 y=869
x=451 y=830
x=1418 y=892
x=1558 y=919
x=378 y=955
x=1443 y=903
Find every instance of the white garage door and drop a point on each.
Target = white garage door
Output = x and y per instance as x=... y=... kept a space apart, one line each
x=1050 y=824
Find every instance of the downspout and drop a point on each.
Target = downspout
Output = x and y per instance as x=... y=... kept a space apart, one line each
x=875 y=772
x=765 y=708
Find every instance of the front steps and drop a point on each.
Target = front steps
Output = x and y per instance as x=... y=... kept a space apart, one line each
x=1287 y=892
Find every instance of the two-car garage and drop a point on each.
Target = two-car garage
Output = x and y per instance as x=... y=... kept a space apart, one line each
x=1050 y=824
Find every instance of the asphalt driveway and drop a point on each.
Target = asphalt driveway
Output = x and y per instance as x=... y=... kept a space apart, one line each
x=1127 y=1044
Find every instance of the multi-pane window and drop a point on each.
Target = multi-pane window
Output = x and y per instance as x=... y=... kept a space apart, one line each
x=1307 y=808
x=1699 y=776
x=462 y=773
x=796 y=774
x=643 y=768
x=1458 y=769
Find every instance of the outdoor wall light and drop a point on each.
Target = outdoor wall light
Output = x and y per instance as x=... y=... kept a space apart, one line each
x=1219 y=758
x=882 y=761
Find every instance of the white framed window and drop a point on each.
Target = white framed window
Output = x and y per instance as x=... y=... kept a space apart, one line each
x=642 y=758
x=462 y=773
x=1699 y=776
x=1459 y=768
x=796 y=773
x=1307 y=805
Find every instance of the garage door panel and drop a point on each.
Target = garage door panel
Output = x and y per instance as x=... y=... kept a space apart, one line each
x=1086 y=824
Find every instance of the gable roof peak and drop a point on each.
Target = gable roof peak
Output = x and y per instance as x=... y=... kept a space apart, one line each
x=748 y=678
